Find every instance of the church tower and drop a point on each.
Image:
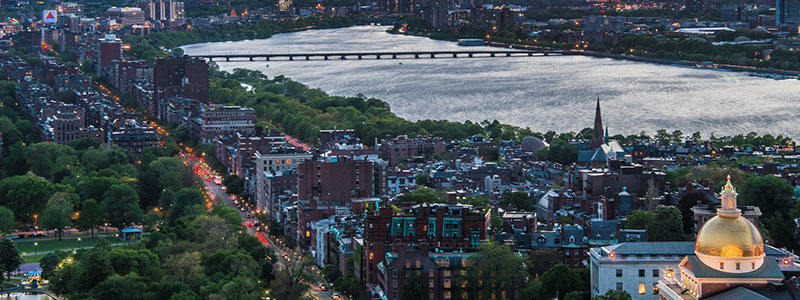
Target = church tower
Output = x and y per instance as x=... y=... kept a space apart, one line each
x=597 y=131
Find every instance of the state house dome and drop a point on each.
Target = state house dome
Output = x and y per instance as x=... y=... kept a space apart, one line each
x=729 y=237
x=729 y=242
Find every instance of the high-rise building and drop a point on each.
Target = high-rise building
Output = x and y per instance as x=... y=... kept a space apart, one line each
x=183 y=77
x=110 y=50
x=787 y=12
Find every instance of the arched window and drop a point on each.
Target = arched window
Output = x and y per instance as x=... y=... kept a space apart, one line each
x=738 y=267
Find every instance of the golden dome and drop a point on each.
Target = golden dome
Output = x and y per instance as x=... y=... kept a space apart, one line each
x=729 y=237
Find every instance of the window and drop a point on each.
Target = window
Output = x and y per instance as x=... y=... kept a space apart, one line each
x=642 y=289
x=430 y=283
x=641 y=272
x=408 y=264
x=430 y=295
x=394 y=273
x=430 y=274
x=418 y=263
x=722 y=266
x=446 y=273
x=447 y=283
x=394 y=283
x=738 y=267
x=619 y=286
x=447 y=295
x=754 y=266
x=655 y=272
x=619 y=272
x=655 y=288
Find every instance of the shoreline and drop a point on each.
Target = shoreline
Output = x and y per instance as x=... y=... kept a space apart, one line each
x=658 y=61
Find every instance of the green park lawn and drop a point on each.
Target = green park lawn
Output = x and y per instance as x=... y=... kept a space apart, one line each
x=29 y=246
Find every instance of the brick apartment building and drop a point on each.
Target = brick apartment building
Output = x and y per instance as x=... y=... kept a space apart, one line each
x=178 y=77
x=109 y=50
x=327 y=187
x=433 y=239
x=397 y=149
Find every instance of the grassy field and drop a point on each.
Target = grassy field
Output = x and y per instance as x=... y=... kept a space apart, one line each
x=30 y=246
x=33 y=259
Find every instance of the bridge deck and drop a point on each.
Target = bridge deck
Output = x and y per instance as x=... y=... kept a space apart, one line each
x=385 y=54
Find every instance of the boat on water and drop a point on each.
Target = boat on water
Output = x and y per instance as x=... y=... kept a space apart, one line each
x=470 y=42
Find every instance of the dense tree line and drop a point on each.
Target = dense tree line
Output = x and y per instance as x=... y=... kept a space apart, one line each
x=158 y=44
x=302 y=111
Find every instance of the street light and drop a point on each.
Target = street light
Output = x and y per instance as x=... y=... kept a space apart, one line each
x=36 y=248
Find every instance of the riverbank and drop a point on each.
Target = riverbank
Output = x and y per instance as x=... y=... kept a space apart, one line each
x=537 y=92
x=661 y=61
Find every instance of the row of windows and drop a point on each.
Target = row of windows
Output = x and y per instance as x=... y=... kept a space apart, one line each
x=642 y=288
x=642 y=272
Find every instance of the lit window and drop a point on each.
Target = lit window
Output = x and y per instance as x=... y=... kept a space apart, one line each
x=308 y=233
x=641 y=288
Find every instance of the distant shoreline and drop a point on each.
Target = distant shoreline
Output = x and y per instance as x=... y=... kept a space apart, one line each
x=658 y=61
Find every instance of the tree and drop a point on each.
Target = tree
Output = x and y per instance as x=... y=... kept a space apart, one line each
x=10 y=257
x=420 y=195
x=685 y=204
x=90 y=216
x=519 y=200
x=217 y=234
x=770 y=193
x=183 y=202
x=128 y=287
x=541 y=260
x=141 y=261
x=639 y=219
x=7 y=223
x=57 y=213
x=288 y=280
x=560 y=280
x=25 y=195
x=48 y=159
x=121 y=206
x=423 y=179
x=663 y=137
x=414 y=287
x=495 y=270
x=613 y=295
x=234 y=184
x=669 y=226
x=50 y=262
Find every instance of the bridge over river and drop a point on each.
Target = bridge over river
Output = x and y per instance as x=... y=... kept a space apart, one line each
x=382 y=55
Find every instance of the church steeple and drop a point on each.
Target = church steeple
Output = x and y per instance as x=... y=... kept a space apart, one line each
x=597 y=131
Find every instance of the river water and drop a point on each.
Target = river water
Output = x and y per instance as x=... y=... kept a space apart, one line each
x=543 y=93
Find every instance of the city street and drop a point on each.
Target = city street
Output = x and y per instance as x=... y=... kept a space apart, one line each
x=217 y=193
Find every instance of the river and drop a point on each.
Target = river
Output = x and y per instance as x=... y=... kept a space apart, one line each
x=544 y=93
